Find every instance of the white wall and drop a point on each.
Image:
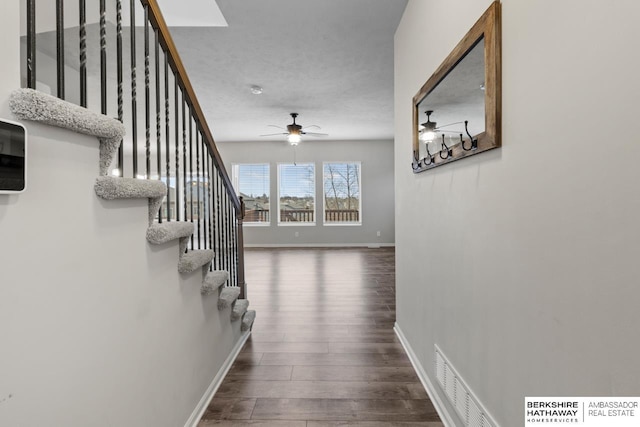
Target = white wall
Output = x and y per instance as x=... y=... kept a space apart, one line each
x=526 y=269
x=97 y=326
x=10 y=69
x=376 y=159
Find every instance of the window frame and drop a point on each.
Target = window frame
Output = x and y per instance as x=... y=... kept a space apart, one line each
x=315 y=198
x=235 y=179
x=324 y=204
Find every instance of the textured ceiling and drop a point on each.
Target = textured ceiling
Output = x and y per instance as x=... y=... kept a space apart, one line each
x=331 y=61
x=193 y=13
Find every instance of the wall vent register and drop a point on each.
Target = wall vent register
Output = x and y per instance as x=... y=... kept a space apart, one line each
x=469 y=408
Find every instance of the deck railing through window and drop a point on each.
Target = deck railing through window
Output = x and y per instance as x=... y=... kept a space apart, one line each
x=256 y=215
x=341 y=215
x=297 y=215
x=117 y=57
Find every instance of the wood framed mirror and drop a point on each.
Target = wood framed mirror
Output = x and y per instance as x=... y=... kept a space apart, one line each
x=457 y=112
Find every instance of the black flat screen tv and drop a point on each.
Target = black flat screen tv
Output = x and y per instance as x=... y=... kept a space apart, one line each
x=13 y=156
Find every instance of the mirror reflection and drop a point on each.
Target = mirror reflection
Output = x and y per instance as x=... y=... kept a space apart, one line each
x=453 y=113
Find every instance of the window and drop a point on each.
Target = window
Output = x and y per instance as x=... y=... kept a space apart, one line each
x=251 y=181
x=342 y=202
x=296 y=194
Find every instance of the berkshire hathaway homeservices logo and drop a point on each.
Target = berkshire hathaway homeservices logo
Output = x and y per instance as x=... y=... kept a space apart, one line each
x=582 y=411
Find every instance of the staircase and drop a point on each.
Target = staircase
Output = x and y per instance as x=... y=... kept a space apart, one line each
x=217 y=217
x=29 y=104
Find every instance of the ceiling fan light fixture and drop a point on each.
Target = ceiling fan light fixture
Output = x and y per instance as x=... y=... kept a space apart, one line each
x=256 y=90
x=427 y=135
x=294 y=131
x=294 y=138
x=428 y=131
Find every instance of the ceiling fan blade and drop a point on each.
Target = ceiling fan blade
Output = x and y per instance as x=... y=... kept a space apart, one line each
x=275 y=126
x=311 y=126
x=448 y=124
x=315 y=134
x=448 y=131
x=275 y=134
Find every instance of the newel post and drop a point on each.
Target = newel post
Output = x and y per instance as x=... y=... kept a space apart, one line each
x=241 y=282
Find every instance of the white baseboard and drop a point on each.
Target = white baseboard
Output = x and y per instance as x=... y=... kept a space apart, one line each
x=217 y=381
x=319 y=245
x=445 y=415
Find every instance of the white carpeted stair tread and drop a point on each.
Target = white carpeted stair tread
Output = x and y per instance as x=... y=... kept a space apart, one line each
x=111 y=188
x=29 y=104
x=193 y=260
x=247 y=320
x=168 y=231
x=228 y=296
x=239 y=308
x=213 y=280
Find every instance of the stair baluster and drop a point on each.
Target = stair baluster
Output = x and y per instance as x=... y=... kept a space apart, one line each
x=60 y=47
x=31 y=44
x=158 y=118
x=134 y=89
x=191 y=174
x=103 y=57
x=198 y=207
x=119 y=78
x=83 y=53
x=167 y=125
x=147 y=97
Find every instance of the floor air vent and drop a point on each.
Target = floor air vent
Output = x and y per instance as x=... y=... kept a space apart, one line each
x=470 y=410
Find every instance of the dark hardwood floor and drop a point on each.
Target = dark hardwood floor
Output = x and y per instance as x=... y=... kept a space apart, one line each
x=323 y=352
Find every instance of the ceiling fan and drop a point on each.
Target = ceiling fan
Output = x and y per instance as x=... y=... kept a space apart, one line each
x=295 y=131
x=428 y=130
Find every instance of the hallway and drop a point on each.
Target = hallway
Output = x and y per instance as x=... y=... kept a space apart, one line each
x=323 y=352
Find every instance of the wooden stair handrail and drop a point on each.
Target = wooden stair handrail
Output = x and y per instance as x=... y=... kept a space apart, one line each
x=166 y=41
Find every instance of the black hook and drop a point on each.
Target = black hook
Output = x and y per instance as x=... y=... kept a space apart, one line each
x=474 y=142
x=445 y=148
x=429 y=156
x=416 y=164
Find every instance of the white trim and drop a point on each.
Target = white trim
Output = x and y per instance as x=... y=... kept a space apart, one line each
x=197 y=413
x=257 y=224
x=445 y=415
x=319 y=245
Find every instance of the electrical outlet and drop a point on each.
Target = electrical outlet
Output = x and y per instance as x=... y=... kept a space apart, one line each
x=296 y=234
x=378 y=234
